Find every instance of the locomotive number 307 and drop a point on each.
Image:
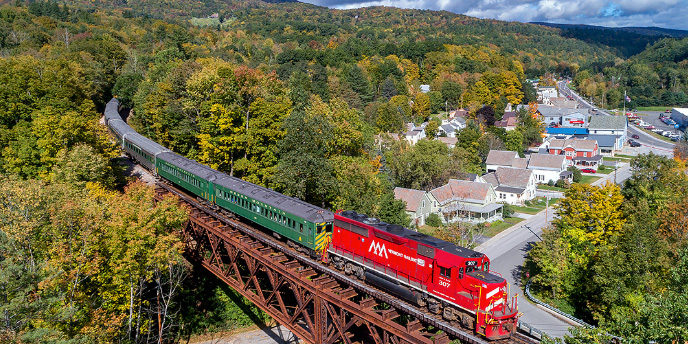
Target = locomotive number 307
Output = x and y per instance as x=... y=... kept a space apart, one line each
x=444 y=283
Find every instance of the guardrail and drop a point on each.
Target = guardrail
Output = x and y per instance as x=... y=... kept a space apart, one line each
x=566 y=315
x=555 y=310
x=530 y=330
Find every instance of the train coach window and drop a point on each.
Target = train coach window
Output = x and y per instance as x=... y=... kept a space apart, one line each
x=445 y=272
x=460 y=273
x=301 y=228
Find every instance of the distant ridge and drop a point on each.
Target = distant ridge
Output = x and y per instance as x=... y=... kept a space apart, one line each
x=646 y=30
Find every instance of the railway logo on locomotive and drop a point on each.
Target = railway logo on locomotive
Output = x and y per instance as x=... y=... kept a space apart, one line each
x=378 y=249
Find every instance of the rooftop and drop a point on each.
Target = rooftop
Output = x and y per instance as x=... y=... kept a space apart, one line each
x=608 y=122
x=410 y=196
x=546 y=161
x=461 y=191
x=502 y=158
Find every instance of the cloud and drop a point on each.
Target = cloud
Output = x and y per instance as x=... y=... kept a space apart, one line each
x=662 y=13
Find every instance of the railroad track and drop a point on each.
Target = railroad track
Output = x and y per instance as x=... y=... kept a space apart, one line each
x=398 y=317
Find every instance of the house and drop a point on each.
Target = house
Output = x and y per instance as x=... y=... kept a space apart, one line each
x=450 y=127
x=425 y=88
x=512 y=185
x=509 y=121
x=566 y=131
x=447 y=129
x=562 y=102
x=553 y=116
x=460 y=113
x=497 y=158
x=616 y=126
x=605 y=143
x=419 y=204
x=544 y=93
x=680 y=116
x=449 y=141
x=547 y=167
x=580 y=153
x=414 y=134
x=467 y=201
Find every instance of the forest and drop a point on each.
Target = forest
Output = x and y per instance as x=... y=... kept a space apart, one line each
x=298 y=98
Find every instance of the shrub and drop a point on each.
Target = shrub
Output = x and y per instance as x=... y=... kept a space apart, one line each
x=562 y=183
x=508 y=210
x=576 y=174
x=550 y=183
x=433 y=220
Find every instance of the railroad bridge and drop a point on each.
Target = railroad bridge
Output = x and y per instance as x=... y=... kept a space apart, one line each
x=316 y=303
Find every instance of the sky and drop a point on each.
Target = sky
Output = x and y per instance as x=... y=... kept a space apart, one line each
x=671 y=14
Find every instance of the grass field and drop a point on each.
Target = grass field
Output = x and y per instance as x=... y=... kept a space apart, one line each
x=497 y=228
x=623 y=156
x=589 y=179
x=617 y=158
x=536 y=205
x=653 y=108
x=552 y=188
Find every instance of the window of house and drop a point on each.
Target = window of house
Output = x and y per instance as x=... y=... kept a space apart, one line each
x=423 y=203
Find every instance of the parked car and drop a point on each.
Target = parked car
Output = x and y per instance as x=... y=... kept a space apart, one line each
x=666 y=133
x=635 y=144
x=667 y=110
x=650 y=127
x=588 y=170
x=635 y=136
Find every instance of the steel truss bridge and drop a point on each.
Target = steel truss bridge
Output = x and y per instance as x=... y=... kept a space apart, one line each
x=316 y=303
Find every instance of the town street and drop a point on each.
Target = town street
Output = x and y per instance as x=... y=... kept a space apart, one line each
x=508 y=250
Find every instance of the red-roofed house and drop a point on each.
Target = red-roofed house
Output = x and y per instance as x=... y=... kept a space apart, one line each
x=583 y=153
x=467 y=201
x=419 y=204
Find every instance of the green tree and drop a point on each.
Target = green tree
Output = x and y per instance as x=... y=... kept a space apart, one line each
x=393 y=210
x=514 y=141
x=304 y=170
x=431 y=129
x=433 y=220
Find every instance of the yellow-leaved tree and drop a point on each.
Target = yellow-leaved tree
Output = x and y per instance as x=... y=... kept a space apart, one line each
x=590 y=214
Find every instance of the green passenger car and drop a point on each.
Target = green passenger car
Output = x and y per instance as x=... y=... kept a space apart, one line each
x=188 y=174
x=296 y=220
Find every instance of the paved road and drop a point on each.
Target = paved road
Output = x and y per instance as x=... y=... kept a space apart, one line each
x=508 y=251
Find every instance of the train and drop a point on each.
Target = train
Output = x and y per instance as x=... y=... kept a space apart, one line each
x=445 y=279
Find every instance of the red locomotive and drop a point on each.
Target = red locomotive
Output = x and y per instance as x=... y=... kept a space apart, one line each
x=433 y=273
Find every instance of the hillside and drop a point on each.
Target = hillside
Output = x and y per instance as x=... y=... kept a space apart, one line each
x=625 y=41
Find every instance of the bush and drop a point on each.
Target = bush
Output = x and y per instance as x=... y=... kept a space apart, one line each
x=562 y=183
x=576 y=174
x=550 y=183
x=433 y=220
x=508 y=210
x=602 y=168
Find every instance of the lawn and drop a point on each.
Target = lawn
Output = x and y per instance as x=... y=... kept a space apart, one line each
x=622 y=159
x=623 y=156
x=607 y=171
x=499 y=226
x=589 y=179
x=535 y=206
x=654 y=108
x=551 y=188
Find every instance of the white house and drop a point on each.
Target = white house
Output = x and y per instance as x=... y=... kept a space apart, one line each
x=414 y=135
x=547 y=167
x=512 y=185
x=467 y=201
x=546 y=92
x=419 y=204
x=616 y=126
x=497 y=158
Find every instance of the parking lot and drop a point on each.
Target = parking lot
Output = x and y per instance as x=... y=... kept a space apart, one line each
x=652 y=117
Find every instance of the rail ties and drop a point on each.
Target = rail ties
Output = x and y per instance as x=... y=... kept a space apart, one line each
x=317 y=303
